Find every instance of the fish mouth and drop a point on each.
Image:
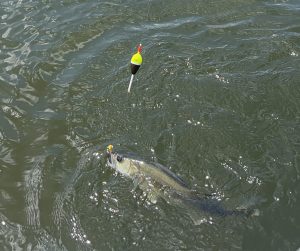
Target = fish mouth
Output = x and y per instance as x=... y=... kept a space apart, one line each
x=109 y=152
x=108 y=157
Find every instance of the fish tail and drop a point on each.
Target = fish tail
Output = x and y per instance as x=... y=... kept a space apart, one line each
x=216 y=208
x=247 y=212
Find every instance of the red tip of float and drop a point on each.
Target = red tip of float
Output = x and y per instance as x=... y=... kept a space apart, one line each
x=140 y=48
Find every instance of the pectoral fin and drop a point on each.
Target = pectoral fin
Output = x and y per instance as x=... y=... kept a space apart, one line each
x=136 y=182
x=152 y=197
x=150 y=192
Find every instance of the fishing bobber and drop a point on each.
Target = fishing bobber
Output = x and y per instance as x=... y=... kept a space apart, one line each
x=135 y=64
x=136 y=60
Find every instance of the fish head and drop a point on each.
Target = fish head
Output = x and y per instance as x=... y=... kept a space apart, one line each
x=121 y=163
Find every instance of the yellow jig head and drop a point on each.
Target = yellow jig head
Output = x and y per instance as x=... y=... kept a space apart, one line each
x=109 y=148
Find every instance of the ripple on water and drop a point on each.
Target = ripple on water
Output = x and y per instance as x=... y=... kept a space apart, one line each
x=14 y=236
x=217 y=99
x=33 y=185
x=9 y=130
x=68 y=223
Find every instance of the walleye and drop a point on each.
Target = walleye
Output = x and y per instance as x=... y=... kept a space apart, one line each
x=158 y=181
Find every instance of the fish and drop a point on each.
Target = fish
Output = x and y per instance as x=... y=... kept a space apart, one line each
x=157 y=181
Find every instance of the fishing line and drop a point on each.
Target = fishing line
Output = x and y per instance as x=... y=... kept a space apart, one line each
x=148 y=10
x=136 y=59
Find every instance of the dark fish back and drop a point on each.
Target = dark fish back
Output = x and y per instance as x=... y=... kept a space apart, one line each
x=170 y=174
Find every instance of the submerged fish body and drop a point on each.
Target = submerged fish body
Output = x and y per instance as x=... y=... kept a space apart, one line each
x=152 y=174
x=158 y=181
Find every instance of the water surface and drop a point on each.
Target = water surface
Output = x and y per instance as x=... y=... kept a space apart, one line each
x=216 y=100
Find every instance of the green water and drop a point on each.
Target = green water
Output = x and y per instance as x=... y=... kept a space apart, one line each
x=217 y=100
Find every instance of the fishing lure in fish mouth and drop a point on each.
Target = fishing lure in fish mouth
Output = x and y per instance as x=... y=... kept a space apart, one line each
x=135 y=63
x=109 y=148
x=109 y=151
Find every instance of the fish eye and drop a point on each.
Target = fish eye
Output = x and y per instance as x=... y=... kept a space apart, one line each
x=119 y=158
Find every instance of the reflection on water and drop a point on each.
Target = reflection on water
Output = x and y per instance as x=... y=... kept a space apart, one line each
x=216 y=100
